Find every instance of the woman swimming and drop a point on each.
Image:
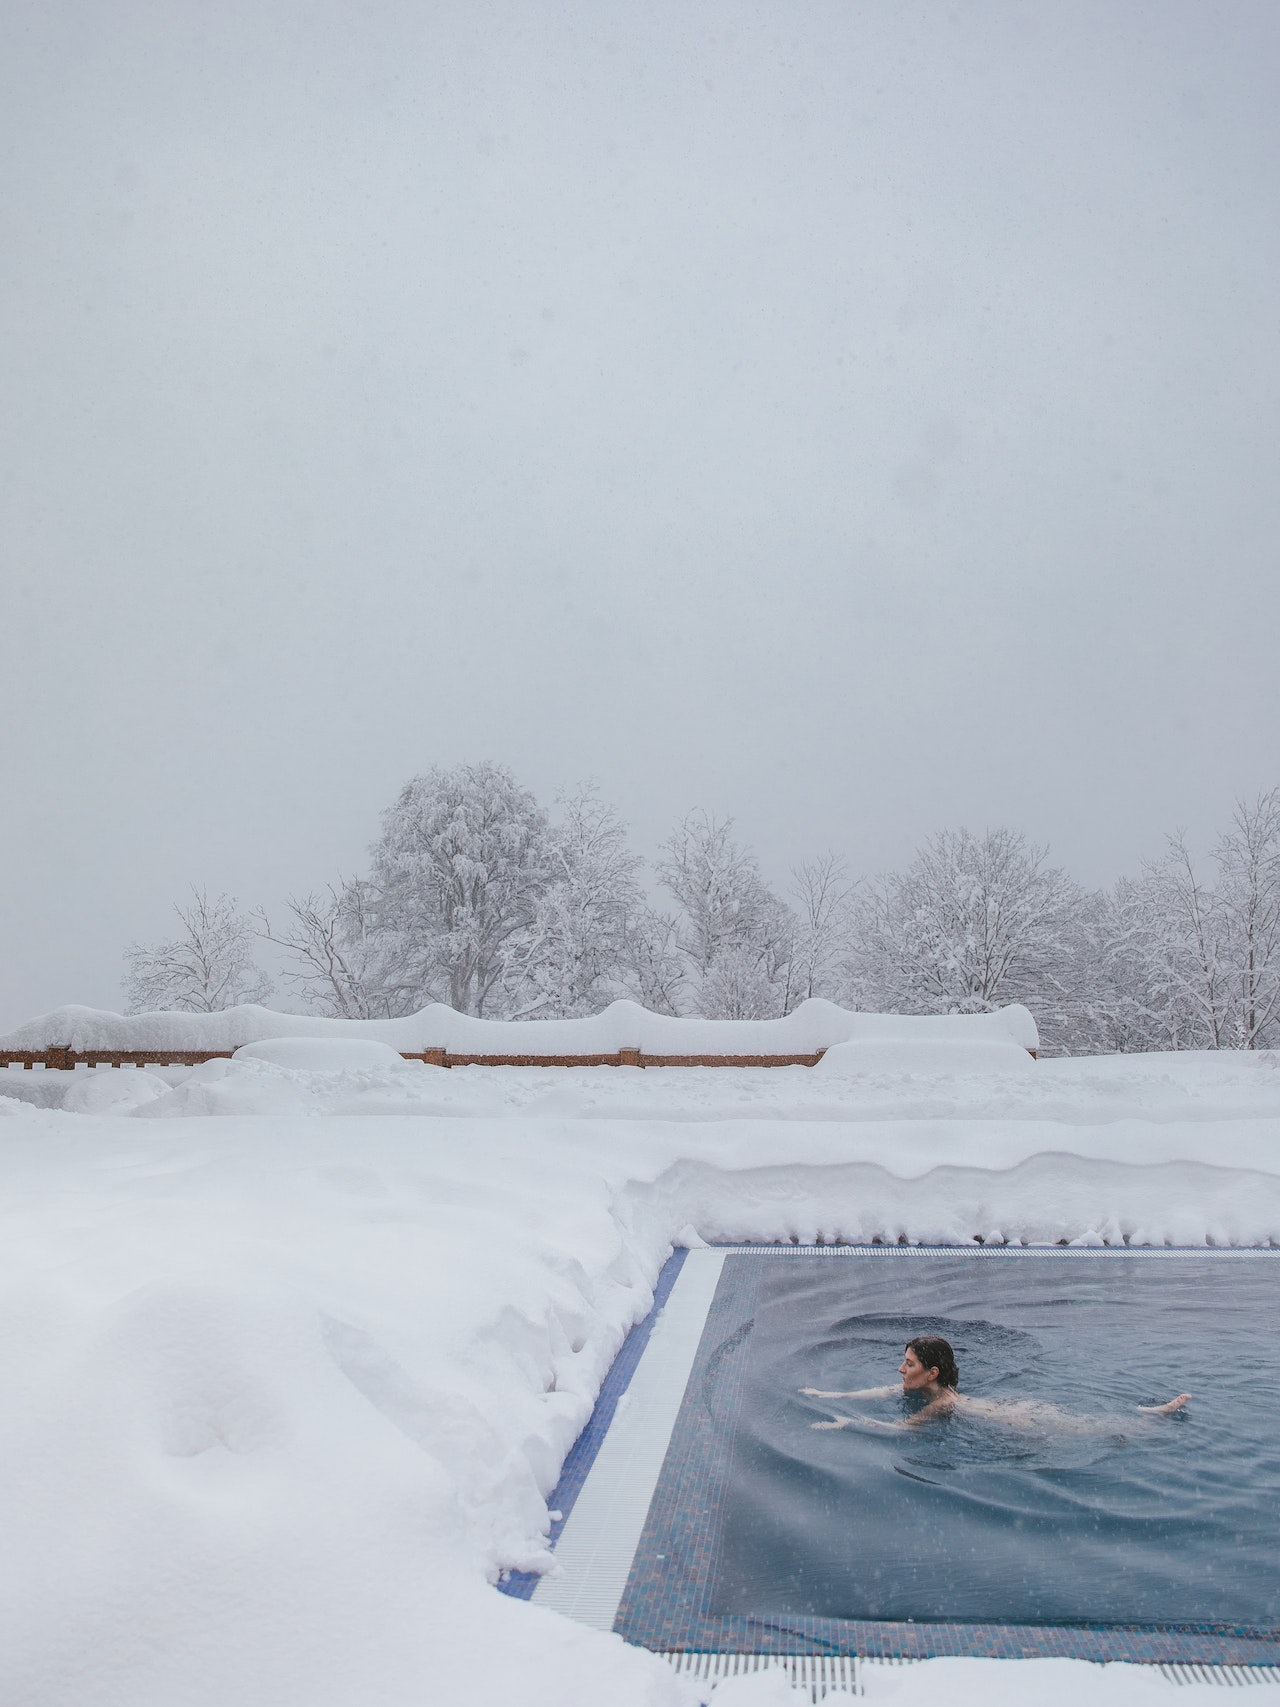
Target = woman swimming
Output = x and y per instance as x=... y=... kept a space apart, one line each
x=929 y=1368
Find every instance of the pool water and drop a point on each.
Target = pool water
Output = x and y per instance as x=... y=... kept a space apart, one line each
x=1086 y=1513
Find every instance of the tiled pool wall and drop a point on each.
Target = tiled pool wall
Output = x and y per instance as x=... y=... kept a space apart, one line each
x=665 y=1605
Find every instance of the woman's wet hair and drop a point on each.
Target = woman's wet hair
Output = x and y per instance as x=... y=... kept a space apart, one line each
x=935 y=1353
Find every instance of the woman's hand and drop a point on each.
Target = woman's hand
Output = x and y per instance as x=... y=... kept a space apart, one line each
x=875 y=1424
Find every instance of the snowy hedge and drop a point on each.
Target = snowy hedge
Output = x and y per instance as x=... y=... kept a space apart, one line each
x=814 y=1025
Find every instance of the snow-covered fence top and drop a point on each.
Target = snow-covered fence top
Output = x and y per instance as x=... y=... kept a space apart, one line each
x=624 y=1027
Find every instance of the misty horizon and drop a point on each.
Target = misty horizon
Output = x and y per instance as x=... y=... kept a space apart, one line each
x=852 y=422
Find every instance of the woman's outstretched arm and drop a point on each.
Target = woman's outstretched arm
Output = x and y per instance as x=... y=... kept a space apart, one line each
x=938 y=1408
x=861 y=1393
x=862 y=1422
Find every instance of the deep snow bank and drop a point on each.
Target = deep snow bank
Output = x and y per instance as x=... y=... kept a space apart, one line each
x=812 y=1026
x=284 y=1392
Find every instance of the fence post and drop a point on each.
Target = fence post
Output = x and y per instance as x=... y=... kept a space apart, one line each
x=436 y=1057
x=59 y=1056
x=629 y=1058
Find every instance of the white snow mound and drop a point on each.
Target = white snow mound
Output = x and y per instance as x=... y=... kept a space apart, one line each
x=111 y=1091
x=926 y=1056
x=814 y=1025
x=322 y=1054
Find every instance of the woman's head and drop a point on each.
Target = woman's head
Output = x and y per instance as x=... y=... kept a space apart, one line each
x=935 y=1358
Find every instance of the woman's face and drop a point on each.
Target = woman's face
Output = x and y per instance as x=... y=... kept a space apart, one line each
x=914 y=1374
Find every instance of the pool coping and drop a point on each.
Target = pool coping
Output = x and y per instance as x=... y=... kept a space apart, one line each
x=582 y=1455
x=793 y=1636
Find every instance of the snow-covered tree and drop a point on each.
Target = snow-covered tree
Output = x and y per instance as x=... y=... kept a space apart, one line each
x=1248 y=860
x=458 y=872
x=337 y=962
x=655 y=972
x=737 y=985
x=207 y=967
x=1197 y=962
x=972 y=924
x=823 y=894
x=577 y=954
x=736 y=937
x=477 y=899
x=1167 y=936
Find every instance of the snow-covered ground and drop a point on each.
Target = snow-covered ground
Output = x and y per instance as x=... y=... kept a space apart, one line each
x=292 y=1357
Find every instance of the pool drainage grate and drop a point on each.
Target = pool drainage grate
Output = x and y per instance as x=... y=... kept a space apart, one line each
x=818 y=1673
x=1233 y=1677
x=821 y=1674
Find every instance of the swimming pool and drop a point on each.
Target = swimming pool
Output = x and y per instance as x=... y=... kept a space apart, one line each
x=1091 y=1529
x=1082 y=1513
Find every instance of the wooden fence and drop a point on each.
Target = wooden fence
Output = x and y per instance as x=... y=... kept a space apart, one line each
x=65 y=1059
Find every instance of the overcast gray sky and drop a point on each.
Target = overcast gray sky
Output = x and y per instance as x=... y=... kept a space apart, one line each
x=856 y=418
